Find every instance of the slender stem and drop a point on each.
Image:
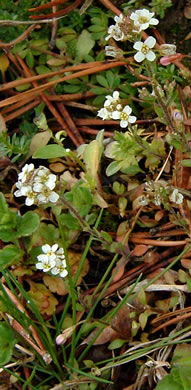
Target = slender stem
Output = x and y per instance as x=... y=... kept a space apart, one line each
x=160 y=101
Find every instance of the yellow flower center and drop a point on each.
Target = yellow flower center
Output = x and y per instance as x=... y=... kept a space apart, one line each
x=124 y=116
x=143 y=19
x=145 y=49
x=46 y=265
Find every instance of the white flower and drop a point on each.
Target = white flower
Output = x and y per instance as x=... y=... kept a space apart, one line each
x=47 y=195
x=112 y=100
x=60 y=268
x=176 y=197
x=49 y=250
x=44 y=177
x=119 y=19
x=26 y=172
x=115 y=32
x=112 y=51
x=124 y=116
x=144 y=50
x=104 y=114
x=157 y=199
x=142 y=18
x=167 y=49
x=46 y=264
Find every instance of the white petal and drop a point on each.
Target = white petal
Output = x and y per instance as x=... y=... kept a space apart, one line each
x=138 y=45
x=55 y=271
x=116 y=115
x=127 y=110
x=53 y=197
x=154 y=21
x=38 y=187
x=39 y=265
x=132 y=119
x=116 y=95
x=41 y=198
x=143 y=26
x=150 y=56
x=18 y=193
x=46 y=248
x=150 y=42
x=54 y=247
x=29 y=201
x=123 y=124
x=139 y=56
x=60 y=251
x=133 y=16
x=42 y=258
x=64 y=273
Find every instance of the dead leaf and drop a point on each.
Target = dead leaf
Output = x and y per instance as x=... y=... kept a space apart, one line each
x=38 y=140
x=4 y=63
x=59 y=285
x=187 y=12
x=57 y=167
x=2 y=124
x=106 y=336
x=186 y=263
x=140 y=250
x=159 y=215
x=67 y=333
x=43 y=298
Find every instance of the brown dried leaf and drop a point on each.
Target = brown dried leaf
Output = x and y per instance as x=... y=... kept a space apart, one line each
x=106 y=336
x=40 y=139
x=187 y=12
x=4 y=63
x=2 y=124
x=140 y=250
x=43 y=298
x=186 y=263
x=59 y=285
x=159 y=215
x=57 y=167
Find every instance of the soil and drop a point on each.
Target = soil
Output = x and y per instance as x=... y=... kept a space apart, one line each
x=176 y=26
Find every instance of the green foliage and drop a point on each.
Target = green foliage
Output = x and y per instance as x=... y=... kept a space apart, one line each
x=160 y=6
x=180 y=374
x=13 y=226
x=15 y=147
x=50 y=151
x=7 y=342
x=99 y=23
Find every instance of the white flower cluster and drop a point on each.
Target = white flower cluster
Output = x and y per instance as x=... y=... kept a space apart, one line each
x=160 y=192
x=36 y=185
x=140 y=20
x=113 y=109
x=53 y=260
x=115 y=31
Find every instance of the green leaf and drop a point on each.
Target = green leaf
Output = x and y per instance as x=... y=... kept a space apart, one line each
x=91 y=158
x=72 y=88
x=102 y=81
x=42 y=69
x=99 y=91
x=10 y=254
x=69 y=221
x=30 y=59
x=7 y=342
x=84 y=44
x=186 y=163
x=50 y=151
x=28 y=223
x=168 y=383
x=112 y=168
x=117 y=343
x=3 y=204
